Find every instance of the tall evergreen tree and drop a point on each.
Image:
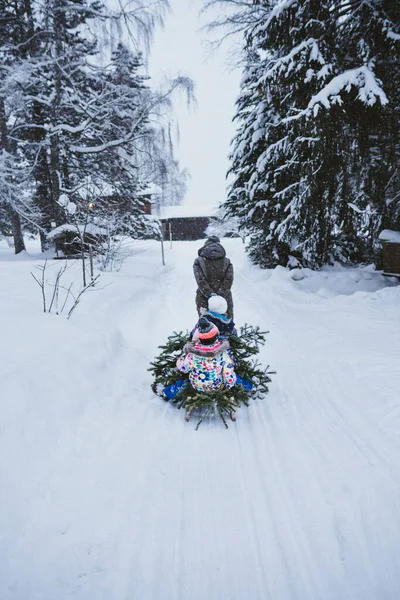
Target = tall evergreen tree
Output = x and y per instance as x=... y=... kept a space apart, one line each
x=315 y=152
x=49 y=53
x=13 y=24
x=370 y=40
x=60 y=90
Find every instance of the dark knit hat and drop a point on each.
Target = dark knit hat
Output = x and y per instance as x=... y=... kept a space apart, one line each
x=208 y=332
x=213 y=239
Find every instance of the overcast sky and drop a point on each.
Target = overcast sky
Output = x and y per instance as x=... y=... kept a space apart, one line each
x=205 y=131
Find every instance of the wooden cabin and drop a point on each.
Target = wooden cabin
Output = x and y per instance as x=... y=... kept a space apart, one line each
x=390 y=241
x=185 y=223
x=185 y=228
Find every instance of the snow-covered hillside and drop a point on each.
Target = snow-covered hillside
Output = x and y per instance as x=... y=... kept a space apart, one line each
x=106 y=493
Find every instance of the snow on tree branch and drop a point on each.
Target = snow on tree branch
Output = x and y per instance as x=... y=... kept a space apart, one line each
x=362 y=77
x=387 y=28
x=275 y=13
x=288 y=60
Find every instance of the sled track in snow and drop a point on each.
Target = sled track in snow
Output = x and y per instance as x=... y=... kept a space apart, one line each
x=297 y=500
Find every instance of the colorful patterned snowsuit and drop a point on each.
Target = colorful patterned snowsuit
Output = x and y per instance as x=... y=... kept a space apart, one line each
x=209 y=367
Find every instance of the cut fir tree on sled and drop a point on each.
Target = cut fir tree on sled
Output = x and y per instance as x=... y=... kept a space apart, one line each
x=222 y=402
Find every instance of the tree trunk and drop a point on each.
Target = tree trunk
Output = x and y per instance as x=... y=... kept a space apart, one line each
x=43 y=196
x=19 y=244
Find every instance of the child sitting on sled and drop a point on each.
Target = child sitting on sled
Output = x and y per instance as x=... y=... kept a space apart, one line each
x=216 y=313
x=208 y=363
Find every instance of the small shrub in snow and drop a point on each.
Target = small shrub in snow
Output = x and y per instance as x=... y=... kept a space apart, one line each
x=57 y=297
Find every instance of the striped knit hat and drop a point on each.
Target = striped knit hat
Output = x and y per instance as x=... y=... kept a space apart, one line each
x=208 y=332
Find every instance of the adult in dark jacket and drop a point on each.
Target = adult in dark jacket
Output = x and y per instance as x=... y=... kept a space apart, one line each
x=214 y=274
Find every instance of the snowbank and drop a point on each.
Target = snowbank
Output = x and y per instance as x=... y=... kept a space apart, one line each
x=388 y=235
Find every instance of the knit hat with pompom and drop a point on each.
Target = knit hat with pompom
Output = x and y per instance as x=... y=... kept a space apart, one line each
x=217 y=304
x=208 y=332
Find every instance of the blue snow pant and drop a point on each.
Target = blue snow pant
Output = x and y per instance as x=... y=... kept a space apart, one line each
x=171 y=391
x=247 y=385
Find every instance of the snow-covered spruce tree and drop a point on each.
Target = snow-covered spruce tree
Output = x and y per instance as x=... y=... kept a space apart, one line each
x=308 y=168
x=369 y=36
x=301 y=176
x=50 y=61
x=293 y=183
x=247 y=146
x=14 y=28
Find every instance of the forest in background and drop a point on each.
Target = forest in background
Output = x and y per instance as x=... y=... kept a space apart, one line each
x=83 y=133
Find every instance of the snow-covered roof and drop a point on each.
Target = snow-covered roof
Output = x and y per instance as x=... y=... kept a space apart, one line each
x=388 y=235
x=188 y=210
x=90 y=228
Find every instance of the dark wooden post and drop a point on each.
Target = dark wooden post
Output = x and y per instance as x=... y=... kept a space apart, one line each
x=162 y=243
x=91 y=260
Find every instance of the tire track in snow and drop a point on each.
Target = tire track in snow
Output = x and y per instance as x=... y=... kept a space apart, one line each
x=266 y=446
x=262 y=580
x=324 y=409
x=153 y=506
x=318 y=365
x=294 y=560
x=139 y=456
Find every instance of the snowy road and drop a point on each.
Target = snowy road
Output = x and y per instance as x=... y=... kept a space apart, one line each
x=106 y=493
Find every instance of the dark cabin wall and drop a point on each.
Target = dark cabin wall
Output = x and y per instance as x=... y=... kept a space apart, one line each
x=391 y=258
x=186 y=228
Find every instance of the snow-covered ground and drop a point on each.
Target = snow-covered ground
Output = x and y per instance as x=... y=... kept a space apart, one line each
x=107 y=494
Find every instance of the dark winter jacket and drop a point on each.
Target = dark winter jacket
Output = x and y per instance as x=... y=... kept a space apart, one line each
x=213 y=270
